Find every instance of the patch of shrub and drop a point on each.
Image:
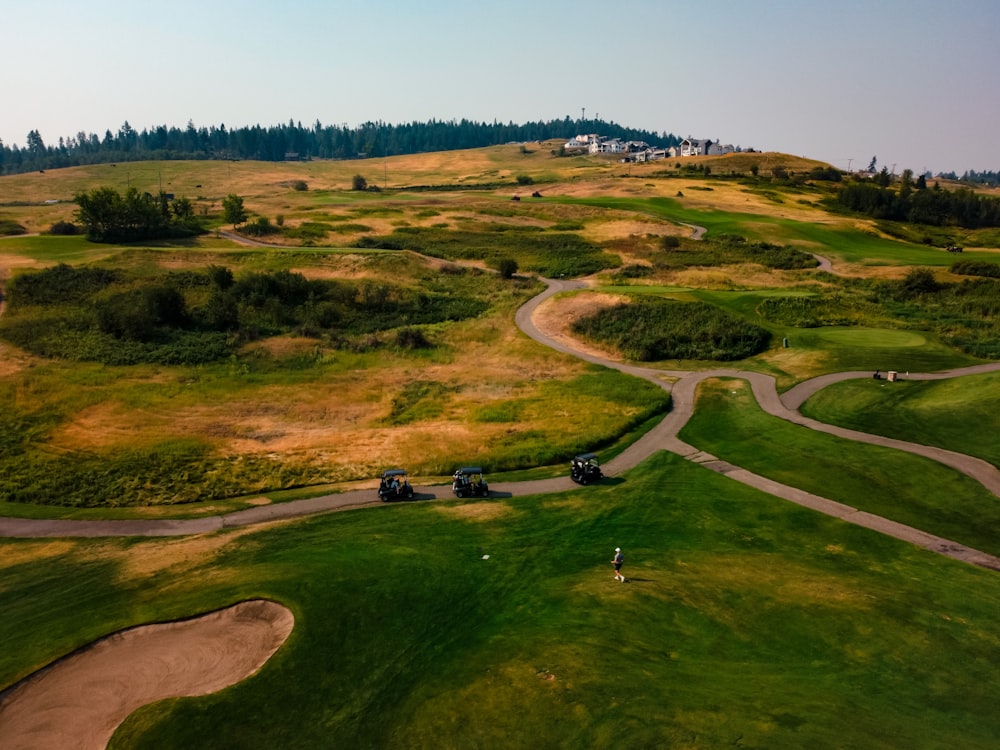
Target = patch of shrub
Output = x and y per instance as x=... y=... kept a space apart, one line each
x=412 y=338
x=59 y=284
x=976 y=268
x=309 y=230
x=916 y=282
x=142 y=314
x=260 y=227
x=653 y=329
x=99 y=315
x=507 y=267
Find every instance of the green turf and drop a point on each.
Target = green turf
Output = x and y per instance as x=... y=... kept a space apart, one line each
x=906 y=488
x=57 y=249
x=961 y=414
x=746 y=622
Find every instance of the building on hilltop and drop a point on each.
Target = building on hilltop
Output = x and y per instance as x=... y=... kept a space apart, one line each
x=703 y=147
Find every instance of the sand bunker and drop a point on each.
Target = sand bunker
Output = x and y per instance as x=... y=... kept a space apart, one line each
x=80 y=700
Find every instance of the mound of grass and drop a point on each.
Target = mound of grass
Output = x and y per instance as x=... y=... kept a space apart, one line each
x=650 y=329
x=11 y=228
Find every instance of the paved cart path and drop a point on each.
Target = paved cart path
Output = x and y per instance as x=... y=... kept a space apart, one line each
x=682 y=385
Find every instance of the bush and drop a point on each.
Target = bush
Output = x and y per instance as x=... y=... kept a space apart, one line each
x=261 y=227
x=300 y=185
x=917 y=282
x=64 y=228
x=358 y=182
x=976 y=268
x=523 y=179
x=670 y=242
x=412 y=338
x=507 y=268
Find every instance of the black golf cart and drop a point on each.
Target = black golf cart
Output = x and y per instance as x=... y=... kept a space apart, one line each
x=585 y=469
x=469 y=482
x=394 y=486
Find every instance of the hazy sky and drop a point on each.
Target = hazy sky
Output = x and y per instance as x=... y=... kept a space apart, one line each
x=914 y=82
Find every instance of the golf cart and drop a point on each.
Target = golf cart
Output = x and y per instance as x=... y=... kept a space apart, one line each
x=585 y=468
x=394 y=486
x=469 y=482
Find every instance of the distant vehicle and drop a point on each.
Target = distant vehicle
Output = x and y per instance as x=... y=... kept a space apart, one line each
x=954 y=249
x=585 y=469
x=469 y=482
x=394 y=486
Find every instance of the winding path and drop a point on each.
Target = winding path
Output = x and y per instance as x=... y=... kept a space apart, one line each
x=681 y=384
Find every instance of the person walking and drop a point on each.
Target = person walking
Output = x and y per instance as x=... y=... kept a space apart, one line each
x=617 y=561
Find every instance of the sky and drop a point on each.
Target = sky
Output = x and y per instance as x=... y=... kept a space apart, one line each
x=913 y=83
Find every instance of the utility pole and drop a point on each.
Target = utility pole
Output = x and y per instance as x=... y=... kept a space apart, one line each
x=583 y=114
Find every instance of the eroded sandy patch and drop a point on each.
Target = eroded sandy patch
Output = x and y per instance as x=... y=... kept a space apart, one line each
x=79 y=701
x=555 y=316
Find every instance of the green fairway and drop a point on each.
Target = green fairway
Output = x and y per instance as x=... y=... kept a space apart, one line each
x=55 y=249
x=961 y=414
x=909 y=489
x=745 y=620
x=869 y=337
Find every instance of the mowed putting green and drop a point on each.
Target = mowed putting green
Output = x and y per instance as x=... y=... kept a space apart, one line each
x=871 y=338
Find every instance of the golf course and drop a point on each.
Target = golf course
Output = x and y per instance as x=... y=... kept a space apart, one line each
x=194 y=553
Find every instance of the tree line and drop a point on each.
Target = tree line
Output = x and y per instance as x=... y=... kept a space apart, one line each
x=912 y=201
x=296 y=141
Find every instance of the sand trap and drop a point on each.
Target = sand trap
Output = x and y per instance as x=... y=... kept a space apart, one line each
x=78 y=702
